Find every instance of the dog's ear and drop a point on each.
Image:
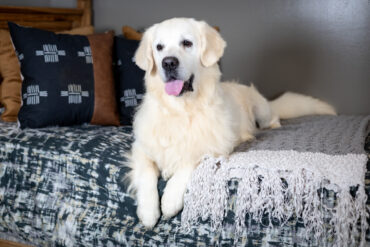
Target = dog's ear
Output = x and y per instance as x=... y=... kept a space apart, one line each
x=212 y=44
x=144 y=53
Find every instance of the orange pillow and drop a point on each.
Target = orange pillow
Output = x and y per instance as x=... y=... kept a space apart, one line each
x=80 y=30
x=10 y=95
x=131 y=33
x=10 y=72
x=1 y=79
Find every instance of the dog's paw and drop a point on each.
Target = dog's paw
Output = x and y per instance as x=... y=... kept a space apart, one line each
x=172 y=203
x=148 y=215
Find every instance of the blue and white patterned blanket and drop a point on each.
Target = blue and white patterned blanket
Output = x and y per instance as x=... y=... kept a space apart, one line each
x=61 y=186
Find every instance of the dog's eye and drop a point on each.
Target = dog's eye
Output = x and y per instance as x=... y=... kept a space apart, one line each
x=187 y=43
x=159 y=47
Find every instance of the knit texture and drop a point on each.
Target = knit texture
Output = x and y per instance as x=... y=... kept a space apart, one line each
x=325 y=134
x=283 y=174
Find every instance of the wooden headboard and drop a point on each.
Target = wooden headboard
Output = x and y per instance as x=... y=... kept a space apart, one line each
x=52 y=19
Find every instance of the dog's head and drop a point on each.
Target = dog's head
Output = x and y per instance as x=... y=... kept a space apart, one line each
x=179 y=50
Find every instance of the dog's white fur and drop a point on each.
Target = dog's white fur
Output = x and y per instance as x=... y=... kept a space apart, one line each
x=172 y=134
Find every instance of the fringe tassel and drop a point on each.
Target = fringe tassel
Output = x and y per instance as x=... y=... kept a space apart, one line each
x=279 y=194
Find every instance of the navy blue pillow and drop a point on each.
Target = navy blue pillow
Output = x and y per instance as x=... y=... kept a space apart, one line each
x=59 y=85
x=129 y=77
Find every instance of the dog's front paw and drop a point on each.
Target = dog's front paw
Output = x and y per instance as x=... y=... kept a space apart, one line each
x=172 y=203
x=148 y=215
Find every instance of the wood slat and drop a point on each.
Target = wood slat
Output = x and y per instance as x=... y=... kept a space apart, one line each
x=52 y=19
x=41 y=10
x=50 y=26
x=86 y=6
x=36 y=17
x=6 y=243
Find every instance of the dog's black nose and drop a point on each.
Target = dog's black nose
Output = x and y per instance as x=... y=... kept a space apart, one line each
x=170 y=63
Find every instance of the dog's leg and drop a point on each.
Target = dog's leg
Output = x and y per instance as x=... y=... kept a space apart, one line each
x=173 y=196
x=144 y=178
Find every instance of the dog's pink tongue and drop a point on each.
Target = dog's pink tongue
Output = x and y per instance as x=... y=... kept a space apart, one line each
x=174 y=87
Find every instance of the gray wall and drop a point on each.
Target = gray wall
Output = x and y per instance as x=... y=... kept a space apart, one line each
x=316 y=47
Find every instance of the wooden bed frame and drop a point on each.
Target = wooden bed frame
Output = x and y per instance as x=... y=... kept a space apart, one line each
x=52 y=19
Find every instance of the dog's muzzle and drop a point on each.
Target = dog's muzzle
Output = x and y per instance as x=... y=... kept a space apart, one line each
x=174 y=85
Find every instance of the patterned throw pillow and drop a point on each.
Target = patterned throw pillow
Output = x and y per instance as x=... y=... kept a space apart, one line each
x=130 y=79
x=68 y=79
x=10 y=72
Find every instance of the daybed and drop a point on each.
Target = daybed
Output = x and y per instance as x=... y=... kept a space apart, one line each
x=62 y=186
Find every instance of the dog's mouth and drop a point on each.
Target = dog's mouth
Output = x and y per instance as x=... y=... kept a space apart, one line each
x=179 y=87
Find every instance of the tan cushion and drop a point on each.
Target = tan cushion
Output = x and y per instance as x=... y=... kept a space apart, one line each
x=131 y=33
x=10 y=71
x=10 y=95
x=80 y=30
x=1 y=79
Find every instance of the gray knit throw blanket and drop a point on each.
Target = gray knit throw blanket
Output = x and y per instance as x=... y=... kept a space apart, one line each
x=309 y=153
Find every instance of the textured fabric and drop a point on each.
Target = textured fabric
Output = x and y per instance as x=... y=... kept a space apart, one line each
x=281 y=173
x=129 y=77
x=60 y=79
x=61 y=187
x=11 y=73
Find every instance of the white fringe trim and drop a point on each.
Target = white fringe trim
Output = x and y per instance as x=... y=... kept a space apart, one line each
x=262 y=191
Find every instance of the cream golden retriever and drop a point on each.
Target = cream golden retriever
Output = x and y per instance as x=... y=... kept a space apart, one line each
x=187 y=112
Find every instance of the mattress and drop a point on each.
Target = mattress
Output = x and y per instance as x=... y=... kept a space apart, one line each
x=62 y=186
